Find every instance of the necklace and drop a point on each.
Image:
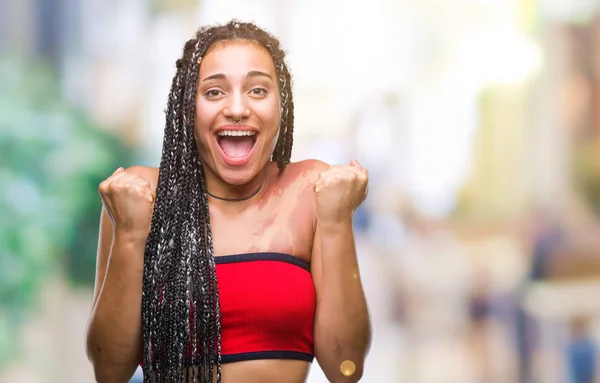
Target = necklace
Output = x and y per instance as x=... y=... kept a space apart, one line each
x=237 y=199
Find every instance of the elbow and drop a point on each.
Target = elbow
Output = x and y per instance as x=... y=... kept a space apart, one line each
x=342 y=363
x=105 y=372
x=344 y=372
x=93 y=344
x=356 y=376
x=346 y=367
x=107 y=375
x=350 y=372
x=107 y=369
x=90 y=345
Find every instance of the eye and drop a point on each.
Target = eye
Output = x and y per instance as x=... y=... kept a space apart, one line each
x=258 y=92
x=213 y=93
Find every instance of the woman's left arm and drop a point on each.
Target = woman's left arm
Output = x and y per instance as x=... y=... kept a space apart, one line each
x=342 y=333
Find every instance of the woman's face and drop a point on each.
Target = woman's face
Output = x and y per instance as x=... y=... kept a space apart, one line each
x=237 y=82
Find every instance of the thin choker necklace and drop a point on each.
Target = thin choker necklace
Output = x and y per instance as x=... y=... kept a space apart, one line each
x=237 y=199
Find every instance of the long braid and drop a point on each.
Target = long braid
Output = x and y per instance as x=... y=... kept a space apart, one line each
x=180 y=279
x=283 y=148
x=161 y=242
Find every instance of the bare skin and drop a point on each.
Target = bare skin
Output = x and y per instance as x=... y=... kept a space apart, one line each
x=281 y=222
x=305 y=210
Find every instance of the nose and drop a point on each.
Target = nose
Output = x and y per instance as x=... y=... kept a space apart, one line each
x=237 y=107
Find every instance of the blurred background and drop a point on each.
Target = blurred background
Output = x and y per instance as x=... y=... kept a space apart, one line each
x=479 y=121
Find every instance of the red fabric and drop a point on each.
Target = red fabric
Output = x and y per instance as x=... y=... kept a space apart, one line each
x=268 y=304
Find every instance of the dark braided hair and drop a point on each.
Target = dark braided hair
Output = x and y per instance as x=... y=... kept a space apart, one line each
x=180 y=301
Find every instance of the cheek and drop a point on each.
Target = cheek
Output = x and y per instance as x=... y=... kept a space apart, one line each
x=203 y=117
x=202 y=123
x=203 y=120
x=272 y=120
x=270 y=115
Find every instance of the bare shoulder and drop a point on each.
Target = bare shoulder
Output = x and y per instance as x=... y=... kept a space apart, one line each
x=308 y=170
x=147 y=173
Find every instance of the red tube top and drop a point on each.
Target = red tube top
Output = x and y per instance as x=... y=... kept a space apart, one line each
x=268 y=306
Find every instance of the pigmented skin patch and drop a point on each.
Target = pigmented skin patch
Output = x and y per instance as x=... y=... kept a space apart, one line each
x=347 y=368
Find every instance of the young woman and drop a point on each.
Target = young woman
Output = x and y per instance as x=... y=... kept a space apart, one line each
x=229 y=263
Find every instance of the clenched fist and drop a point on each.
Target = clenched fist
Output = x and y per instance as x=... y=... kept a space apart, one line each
x=340 y=189
x=129 y=201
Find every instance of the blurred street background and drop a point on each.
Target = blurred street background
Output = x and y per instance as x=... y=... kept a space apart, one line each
x=479 y=121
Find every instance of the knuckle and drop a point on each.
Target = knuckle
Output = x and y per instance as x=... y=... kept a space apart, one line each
x=116 y=186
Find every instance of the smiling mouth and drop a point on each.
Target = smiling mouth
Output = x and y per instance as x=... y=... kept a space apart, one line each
x=236 y=144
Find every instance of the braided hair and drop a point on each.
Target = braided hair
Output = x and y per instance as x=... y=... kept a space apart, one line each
x=179 y=269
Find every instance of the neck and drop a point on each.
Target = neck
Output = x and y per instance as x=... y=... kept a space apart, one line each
x=219 y=190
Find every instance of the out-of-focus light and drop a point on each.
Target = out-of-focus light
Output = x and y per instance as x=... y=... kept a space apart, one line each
x=561 y=11
x=501 y=56
x=347 y=368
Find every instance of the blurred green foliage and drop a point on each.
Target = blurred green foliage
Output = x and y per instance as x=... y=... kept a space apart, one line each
x=52 y=158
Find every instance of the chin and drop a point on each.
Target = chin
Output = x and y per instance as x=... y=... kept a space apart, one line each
x=237 y=177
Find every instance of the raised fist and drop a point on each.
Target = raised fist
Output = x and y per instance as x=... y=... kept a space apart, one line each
x=129 y=201
x=340 y=189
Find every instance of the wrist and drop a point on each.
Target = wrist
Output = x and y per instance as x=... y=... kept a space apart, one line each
x=342 y=223
x=127 y=251
x=135 y=238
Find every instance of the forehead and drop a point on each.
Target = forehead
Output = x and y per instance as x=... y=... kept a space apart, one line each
x=231 y=57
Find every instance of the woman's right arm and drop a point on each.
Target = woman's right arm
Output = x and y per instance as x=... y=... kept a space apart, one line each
x=114 y=333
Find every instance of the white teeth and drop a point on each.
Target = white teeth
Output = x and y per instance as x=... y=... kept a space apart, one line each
x=236 y=133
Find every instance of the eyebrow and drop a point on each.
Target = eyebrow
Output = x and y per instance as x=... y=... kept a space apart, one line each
x=218 y=76
x=257 y=73
x=253 y=73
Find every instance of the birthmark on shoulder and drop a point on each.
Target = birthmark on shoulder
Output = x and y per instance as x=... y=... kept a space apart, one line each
x=300 y=220
x=273 y=191
x=264 y=224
